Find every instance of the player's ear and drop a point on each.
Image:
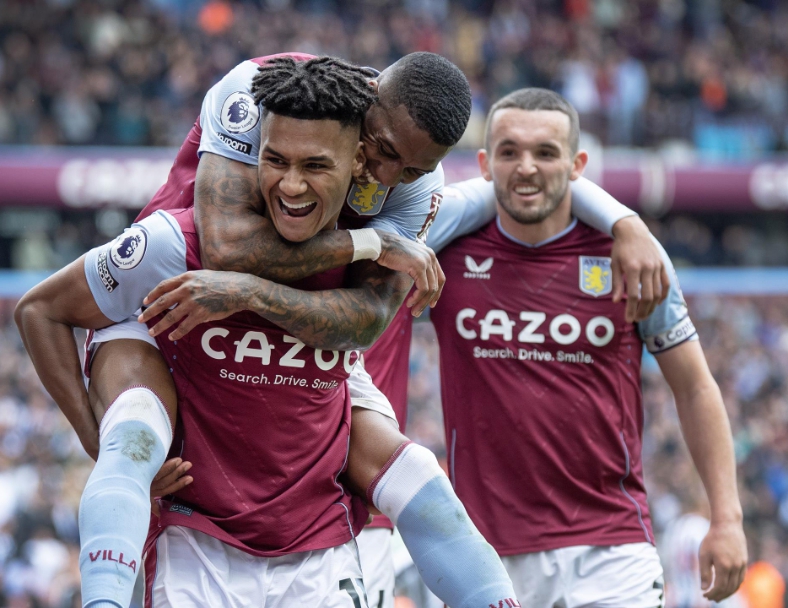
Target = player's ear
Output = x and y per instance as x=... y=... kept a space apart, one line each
x=374 y=85
x=359 y=162
x=581 y=160
x=484 y=164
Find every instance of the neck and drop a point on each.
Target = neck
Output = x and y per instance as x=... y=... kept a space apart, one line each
x=535 y=233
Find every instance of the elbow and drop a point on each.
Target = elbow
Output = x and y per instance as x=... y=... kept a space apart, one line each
x=380 y=319
x=23 y=312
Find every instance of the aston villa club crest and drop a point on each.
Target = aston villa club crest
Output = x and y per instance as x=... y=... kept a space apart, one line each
x=596 y=278
x=367 y=200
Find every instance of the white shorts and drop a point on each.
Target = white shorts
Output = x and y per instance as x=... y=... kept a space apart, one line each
x=191 y=569
x=621 y=576
x=130 y=329
x=374 y=547
x=363 y=392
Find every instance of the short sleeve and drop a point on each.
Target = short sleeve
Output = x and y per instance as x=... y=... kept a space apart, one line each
x=411 y=208
x=230 y=120
x=121 y=273
x=466 y=207
x=670 y=324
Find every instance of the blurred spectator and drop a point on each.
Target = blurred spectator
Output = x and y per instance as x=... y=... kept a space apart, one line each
x=641 y=72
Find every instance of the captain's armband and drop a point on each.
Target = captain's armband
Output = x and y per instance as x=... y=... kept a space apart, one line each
x=681 y=332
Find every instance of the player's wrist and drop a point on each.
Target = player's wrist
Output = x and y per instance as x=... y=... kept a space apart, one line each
x=366 y=244
x=630 y=226
x=727 y=516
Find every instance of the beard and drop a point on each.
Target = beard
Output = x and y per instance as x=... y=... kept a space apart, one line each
x=551 y=199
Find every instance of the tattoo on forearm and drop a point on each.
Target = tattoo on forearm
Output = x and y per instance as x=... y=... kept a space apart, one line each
x=341 y=319
x=235 y=236
x=333 y=319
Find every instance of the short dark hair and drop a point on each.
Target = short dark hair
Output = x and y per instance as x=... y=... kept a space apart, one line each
x=537 y=99
x=435 y=92
x=324 y=88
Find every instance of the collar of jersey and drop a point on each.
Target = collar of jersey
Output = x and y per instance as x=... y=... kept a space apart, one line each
x=552 y=239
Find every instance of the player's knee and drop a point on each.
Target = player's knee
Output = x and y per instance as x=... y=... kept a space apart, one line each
x=135 y=433
x=121 y=365
x=407 y=473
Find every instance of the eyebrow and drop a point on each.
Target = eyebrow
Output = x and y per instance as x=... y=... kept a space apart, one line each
x=546 y=144
x=322 y=158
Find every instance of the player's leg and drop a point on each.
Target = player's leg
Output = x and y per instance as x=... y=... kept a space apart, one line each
x=326 y=578
x=377 y=564
x=539 y=578
x=621 y=575
x=185 y=568
x=404 y=481
x=133 y=397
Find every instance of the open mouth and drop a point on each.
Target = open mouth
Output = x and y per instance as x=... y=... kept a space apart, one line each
x=527 y=190
x=296 y=209
x=368 y=178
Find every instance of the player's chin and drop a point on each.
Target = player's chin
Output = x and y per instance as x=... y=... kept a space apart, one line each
x=297 y=229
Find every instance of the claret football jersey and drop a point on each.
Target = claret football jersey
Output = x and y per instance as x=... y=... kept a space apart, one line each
x=540 y=380
x=264 y=418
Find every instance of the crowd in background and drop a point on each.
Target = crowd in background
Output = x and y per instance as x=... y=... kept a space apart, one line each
x=44 y=239
x=43 y=467
x=713 y=73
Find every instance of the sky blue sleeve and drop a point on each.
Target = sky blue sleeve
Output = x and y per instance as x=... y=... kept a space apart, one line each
x=230 y=120
x=594 y=206
x=410 y=208
x=669 y=325
x=467 y=206
x=121 y=273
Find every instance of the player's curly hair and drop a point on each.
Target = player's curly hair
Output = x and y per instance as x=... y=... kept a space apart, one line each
x=435 y=92
x=324 y=88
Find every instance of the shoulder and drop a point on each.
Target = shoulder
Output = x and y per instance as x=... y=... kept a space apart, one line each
x=419 y=191
x=585 y=235
x=485 y=239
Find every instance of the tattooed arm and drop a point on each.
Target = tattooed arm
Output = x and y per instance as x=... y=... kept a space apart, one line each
x=235 y=236
x=336 y=319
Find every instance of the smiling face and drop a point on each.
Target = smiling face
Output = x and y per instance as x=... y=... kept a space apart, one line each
x=530 y=160
x=396 y=149
x=305 y=170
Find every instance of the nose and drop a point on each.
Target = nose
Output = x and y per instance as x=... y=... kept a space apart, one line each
x=526 y=166
x=292 y=183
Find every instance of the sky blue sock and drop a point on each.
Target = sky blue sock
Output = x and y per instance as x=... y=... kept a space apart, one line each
x=114 y=512
x=454 y=560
